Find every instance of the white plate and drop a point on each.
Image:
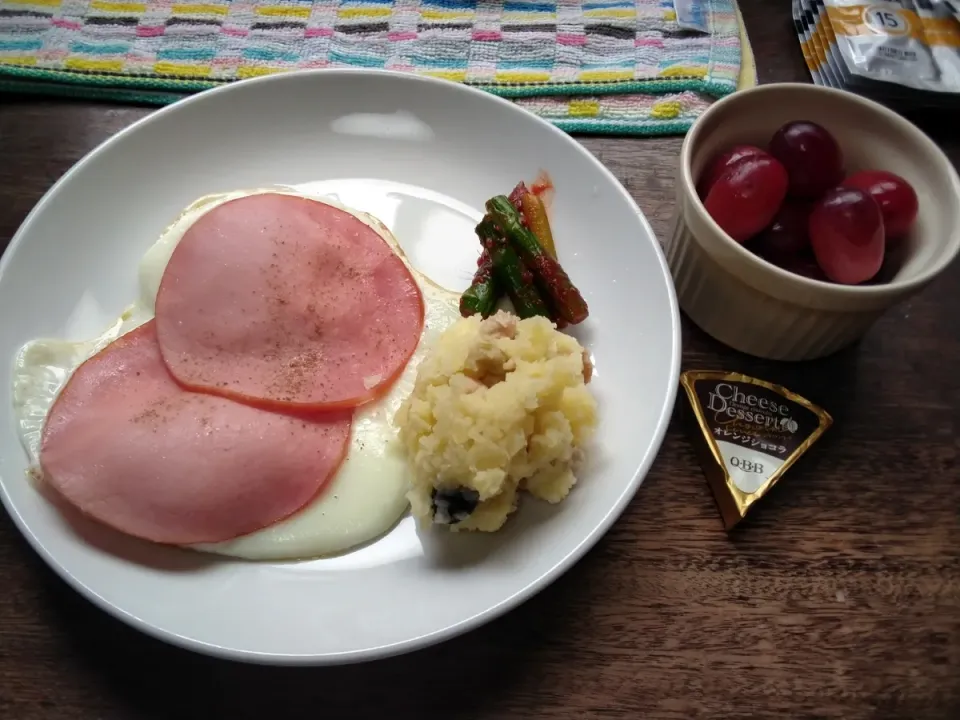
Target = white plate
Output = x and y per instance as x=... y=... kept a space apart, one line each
x=423 y=155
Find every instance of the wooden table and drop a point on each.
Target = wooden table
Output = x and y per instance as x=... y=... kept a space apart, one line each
x=840 y=598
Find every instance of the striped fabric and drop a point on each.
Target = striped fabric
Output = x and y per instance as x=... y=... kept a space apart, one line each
x=602 y=65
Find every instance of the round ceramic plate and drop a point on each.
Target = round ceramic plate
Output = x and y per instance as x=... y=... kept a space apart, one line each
x=422 y=155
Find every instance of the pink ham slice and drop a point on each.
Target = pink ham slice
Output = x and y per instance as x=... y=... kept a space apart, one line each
x=287 y=302
x=129 y=447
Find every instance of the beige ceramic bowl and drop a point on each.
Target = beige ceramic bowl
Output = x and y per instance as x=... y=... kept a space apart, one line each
x=754 y=306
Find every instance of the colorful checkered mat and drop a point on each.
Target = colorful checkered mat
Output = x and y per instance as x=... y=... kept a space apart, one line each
x=615 y=66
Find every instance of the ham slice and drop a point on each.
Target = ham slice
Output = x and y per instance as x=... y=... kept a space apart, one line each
x=129 y=447
x=282 y=301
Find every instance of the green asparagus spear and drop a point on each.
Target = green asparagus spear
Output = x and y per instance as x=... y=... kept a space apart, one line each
x=518 y=281
x=550 y=276
x=481 y=297
x=510 y=272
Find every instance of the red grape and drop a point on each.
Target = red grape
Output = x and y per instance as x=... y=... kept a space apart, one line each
x=896 y=198
x=811 y=156
x=747 y=195
x=846 y=233
x=787 y=235
x=721 y=162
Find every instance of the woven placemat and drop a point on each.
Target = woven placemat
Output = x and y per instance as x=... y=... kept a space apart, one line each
x=616 y=66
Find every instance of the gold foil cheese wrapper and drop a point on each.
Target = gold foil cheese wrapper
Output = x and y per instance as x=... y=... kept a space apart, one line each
x=747 y=433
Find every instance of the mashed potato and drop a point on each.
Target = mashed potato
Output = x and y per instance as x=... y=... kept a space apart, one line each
x=499 y=405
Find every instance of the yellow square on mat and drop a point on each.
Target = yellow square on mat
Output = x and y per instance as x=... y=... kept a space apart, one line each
x=25 y=60
x=683 y=71
x=666 y=109
x=253 y=71
x=609 y=14
x=452 y=75
x=128 y=8
x=606 y=76
x=583 y=108
x=515 y=76
x=200 y=9
x=181 y=70
x=363 y=12
x=464 y=15
x=94 y=65
x=283 y=11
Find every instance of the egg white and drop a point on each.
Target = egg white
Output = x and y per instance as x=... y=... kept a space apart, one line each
x=368 y=494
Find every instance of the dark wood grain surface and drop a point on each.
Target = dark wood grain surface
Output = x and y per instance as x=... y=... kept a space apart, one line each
x=840 y=598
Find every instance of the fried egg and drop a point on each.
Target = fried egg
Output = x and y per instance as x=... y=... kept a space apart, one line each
x=368 y=494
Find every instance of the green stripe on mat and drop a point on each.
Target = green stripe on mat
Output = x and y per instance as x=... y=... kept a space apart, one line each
x=89 y=92
x=599 y=127
x=129 y=82
x=165 y=98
